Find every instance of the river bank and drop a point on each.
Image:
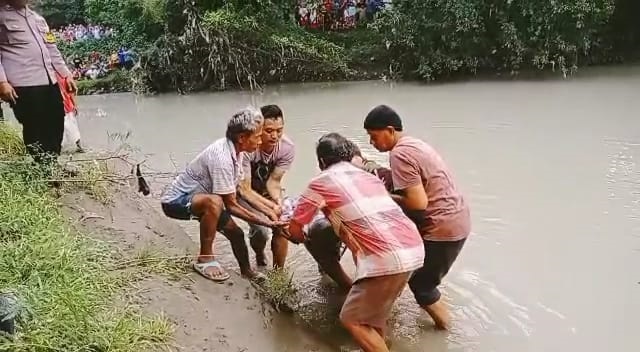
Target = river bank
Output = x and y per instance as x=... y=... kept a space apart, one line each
x=511 y=144
x=122 y=82
x=96 y=267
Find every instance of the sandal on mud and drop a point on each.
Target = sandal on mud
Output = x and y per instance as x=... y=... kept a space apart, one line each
x=201 y=268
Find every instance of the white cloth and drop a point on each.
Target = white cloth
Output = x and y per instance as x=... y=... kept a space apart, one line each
x=71 y=133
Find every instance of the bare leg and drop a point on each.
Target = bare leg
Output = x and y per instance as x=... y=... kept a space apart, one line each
x=366 y=337
x=236 y=236
x=279 y=248
x=337 y=274
x=323 y=247
x=439 y=313
x=208 y=208
x=79 y=148
x=258 y=241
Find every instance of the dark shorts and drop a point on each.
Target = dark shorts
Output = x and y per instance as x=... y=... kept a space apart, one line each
x=322 y=243
x=180 y=209
x=439 y=257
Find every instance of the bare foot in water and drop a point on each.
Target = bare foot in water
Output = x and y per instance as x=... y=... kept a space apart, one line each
x=440 y=314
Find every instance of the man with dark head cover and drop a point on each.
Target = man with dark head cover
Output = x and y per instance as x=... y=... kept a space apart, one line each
x=429 y=195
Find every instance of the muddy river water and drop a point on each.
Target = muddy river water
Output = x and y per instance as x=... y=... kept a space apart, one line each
x=549 y=167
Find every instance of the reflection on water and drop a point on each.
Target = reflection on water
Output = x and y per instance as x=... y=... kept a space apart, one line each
x=549 y=168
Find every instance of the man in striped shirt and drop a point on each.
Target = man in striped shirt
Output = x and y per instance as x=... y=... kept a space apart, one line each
x=322 y=242
x=385 y=244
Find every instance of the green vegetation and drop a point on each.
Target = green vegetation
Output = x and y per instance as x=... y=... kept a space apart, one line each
x=190 y=45
x=154 y=260
x=439 y=38
x=224 y=49
x=11 y=145
x=118 y=81
x=59 y=13
x=278 y=289
x=67 y=283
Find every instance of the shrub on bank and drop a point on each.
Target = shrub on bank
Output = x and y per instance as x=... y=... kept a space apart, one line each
x=226 y=48
x=211 y=44
x=432 y=39
x=115 y=82
x=65 y=281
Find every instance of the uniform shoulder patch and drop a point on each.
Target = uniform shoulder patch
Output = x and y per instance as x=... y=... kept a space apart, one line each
x=49 y=38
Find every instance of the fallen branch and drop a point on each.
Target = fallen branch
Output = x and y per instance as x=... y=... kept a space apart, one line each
x=85 y=217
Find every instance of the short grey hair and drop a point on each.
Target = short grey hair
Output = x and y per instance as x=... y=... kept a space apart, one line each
x=247 y=120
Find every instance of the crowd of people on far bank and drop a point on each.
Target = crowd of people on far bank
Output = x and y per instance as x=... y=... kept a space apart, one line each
x=94 y=64
x=404 y=224
x=78 y=32
x=337 y=14
x=98 y=65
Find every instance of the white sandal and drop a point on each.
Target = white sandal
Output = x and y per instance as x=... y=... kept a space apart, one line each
x=201 y=268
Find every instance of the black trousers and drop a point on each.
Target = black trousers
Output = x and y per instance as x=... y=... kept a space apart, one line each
x=439 y=257
x=40 y=110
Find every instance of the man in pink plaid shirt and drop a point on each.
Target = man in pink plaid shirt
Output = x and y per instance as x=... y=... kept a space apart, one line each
x=386 y=245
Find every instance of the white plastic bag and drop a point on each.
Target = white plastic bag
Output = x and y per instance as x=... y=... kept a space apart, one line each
x=71 y=131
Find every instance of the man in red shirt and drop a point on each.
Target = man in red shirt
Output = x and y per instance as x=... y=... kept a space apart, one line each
x=322 y=242
x=429 y=196
x=385 y=244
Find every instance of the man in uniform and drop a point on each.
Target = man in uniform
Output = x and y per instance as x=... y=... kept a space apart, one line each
x=29 y=60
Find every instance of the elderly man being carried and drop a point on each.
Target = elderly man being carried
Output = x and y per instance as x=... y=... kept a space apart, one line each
x=206 y=191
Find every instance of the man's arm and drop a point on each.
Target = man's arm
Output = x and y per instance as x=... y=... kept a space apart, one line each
x=57 y=61
x=295 y=232
x=56 y=57
x=7 y=93
x=223 y=180
x=274 y=184
x=308 y=205
x=412 y=198
x=407 y=179
x=231 y=203
x=264 y=205
x=283 y=163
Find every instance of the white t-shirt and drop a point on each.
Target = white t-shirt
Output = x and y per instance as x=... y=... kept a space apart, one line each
x=216 y=170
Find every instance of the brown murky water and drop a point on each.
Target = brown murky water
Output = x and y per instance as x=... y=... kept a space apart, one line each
x=549 y=167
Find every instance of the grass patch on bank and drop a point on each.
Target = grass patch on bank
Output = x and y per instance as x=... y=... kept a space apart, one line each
x=92 y=177
x=11 y=146
x=152 y=260
x=278 y=288
x=65 y=281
